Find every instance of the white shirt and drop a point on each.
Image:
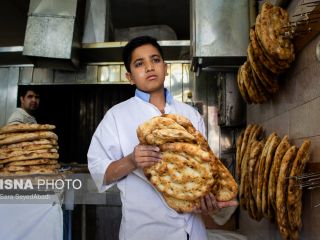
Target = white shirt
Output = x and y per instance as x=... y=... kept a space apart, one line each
x=145 y=214
x=21 y=116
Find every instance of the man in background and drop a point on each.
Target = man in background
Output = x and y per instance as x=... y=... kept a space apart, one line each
x=30 y=100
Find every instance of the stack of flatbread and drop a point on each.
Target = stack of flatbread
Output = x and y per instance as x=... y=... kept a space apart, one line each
x=188 y=169
x=266 y=169
x=28 y=149
x=270 y=53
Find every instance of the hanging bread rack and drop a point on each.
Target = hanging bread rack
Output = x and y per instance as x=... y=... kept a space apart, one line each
x=305 y=21
x=309 y=181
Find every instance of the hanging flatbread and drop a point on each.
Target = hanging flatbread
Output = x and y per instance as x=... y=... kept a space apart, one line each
x=294 y=202
x=266 y=209
x=271 y=65
x=242 y=88
x=270 y=30
x=281 y=193
x=260 y=179
x=268 y=79
x=238 y=161
x=282 y=148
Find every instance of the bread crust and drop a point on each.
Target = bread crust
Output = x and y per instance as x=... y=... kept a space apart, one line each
x=267 y=78
x=238 y=146
x=282 y=148
x=281 y=193
x=266 y=209
x=261 y=169
x=188 y=170
x=242 y=88
x=294 y=204
x=270 y=29
x=30 y=156
x=32 y=162
x=10 y=138
x=25 y=127
x=23 y=145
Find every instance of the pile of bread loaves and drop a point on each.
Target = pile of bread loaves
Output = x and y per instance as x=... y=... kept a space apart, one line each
x=28 y=149
x=266 y=169
x=270 y=53
x=188 y=169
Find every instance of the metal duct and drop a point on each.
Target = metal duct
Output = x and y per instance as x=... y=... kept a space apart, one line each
x=219 y=32
x=53 y=33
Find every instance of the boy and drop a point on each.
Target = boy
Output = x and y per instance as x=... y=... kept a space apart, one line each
x=115 y=155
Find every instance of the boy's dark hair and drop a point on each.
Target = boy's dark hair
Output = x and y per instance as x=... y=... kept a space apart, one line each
x=133 y=44
x=24 y=89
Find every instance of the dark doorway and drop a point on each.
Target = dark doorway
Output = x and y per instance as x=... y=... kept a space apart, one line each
x=76 y=110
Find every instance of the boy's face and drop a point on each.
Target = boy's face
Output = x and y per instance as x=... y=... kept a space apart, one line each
x=148 y=70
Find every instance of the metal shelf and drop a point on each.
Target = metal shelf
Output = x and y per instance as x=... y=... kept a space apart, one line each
x=97 y=53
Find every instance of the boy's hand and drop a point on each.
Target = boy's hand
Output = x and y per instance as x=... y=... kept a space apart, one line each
x=145 y=156
x=209 y=205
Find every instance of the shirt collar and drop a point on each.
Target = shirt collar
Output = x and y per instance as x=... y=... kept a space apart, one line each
x=146 y=96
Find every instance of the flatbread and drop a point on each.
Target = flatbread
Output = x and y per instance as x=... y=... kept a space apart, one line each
x=255 y=178
x=250 y=203
x=30 y=157
x=271 y=65
x=244 y=143
x=224 y=188
x=267 y=210
x=184 y=171
x=30 y=172
x=22 y=145
x=238 y=146
x=165 y=135
x=266 y=77
x=145 y=129
x=281 y=193
x=261 y=179
x=187 y=125
x=260 y=87
x=23 y=137
x=5 y=151
x=182 y=206
x=14 y=128
x=188 y=170
x=294 y=204
x=32 y=167
x=282 y=148
x=245 y=189
x=255 y=153
x=244 y=175
x=242 y=88
x=270 y=30
x=32 y=162
x=26 y=152
x=250 y=85
x=284 y=64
